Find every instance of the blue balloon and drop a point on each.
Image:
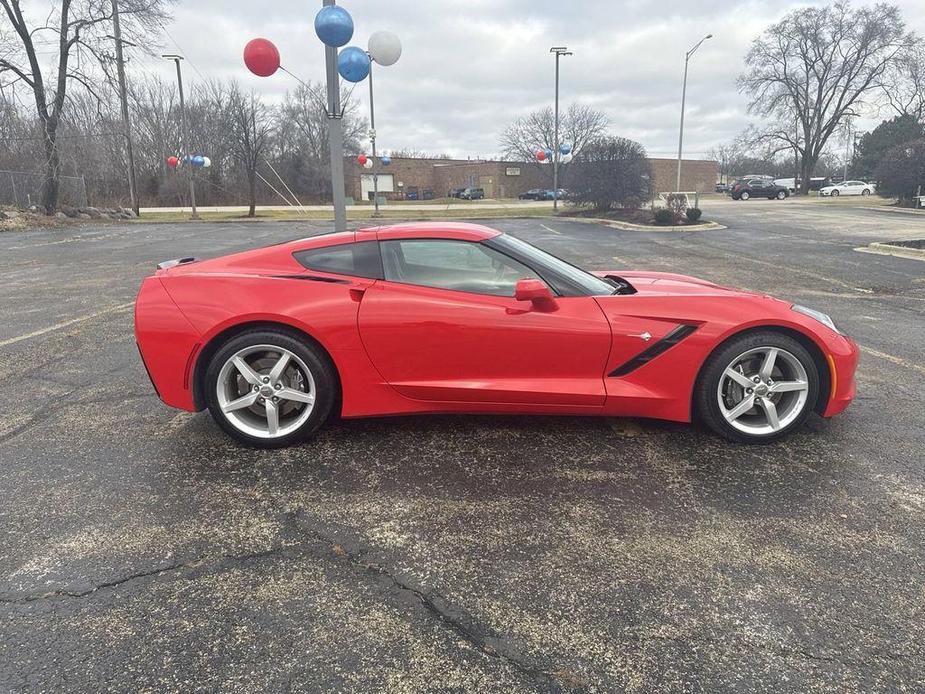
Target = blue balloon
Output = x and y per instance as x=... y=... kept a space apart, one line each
x=199 y=161
x=334 y=26
x=565 y=148
x=353 y=64
x=385 y=159
x=548 y=155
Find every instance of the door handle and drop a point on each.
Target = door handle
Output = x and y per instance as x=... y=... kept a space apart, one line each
x=357 y=294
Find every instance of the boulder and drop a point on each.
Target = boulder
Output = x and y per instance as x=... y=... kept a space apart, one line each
x=60 y=215
x=83 y=215
x=93 y=212
x=70 y=211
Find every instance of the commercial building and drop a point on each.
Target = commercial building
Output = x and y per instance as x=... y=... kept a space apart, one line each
x=423 y=178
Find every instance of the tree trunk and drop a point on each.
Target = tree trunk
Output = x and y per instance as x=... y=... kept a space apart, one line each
x=252 y=181
x=51 y=184
x=807 y=164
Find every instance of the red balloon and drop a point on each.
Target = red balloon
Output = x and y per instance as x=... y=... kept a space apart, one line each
x=172 y=162
x=261 y=57
x=362 y=159
x=540 y=155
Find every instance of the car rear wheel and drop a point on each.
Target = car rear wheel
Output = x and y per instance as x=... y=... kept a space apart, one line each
x=268 y=389
x=757 y=388
x=744 y=195
x=866 y=191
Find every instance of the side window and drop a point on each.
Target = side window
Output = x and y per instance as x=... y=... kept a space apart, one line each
x=355 y=259
x=447 y=264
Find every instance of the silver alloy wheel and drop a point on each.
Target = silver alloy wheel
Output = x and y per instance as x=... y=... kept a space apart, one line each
x=763 y=390
x=266 y=391
x=745 y=195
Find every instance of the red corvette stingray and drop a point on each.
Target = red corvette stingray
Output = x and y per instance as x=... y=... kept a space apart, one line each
x=436 y=317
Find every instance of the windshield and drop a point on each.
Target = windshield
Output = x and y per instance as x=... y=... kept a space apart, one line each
x=541 y=260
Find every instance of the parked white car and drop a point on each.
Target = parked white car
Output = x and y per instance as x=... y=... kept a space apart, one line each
x=847 y=188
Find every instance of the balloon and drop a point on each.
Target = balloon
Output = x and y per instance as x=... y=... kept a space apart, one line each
x=353 y=64
x=334 y=26
x=362 y=159
x=173 y=162
x=540 y=155
x=206 y=162
x=199 y=161
x=384 y=47
x=565 y=149
x=368 y=164
x=549 y=154
x=566 y=158
x=385 y=159
x=261 y=57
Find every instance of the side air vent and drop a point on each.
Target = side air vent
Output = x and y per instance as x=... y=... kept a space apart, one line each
x=167 y=264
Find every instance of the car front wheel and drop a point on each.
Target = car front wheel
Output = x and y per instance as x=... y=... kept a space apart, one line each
x=834 y=193
x=781 y=195
x=744 y=196
x=269 y=389
x=757 y=388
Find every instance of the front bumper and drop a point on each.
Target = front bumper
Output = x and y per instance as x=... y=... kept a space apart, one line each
x=842 y=355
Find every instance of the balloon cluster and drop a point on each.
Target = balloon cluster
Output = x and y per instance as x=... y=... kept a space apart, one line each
x=197 y=161
x=368 y=163
x=546 y=155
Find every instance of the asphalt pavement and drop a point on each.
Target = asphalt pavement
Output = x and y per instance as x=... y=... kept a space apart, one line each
x=142 y=550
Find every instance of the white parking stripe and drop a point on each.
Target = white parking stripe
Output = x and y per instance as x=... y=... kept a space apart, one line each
x=65 y=324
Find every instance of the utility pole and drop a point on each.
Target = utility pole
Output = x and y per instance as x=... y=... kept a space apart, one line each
x=847 y=150
x=559 y=52
x=687 y=58
x=372 y=140
x=186 y=157
x=335 y=135
x=126 y=121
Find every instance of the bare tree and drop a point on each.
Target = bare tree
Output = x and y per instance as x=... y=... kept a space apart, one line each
x=79 y=29
x=251 y=130
x=611 y=171
x=904 y=83
x=812 y=70
x=578 y=125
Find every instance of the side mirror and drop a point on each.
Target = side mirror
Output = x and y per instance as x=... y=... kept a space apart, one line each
x=536 y=291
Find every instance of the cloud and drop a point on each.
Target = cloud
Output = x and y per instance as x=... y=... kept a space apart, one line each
x=471 y=66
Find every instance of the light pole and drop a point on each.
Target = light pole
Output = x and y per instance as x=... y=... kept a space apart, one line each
x=184 y=134
x=372 y=137
x=123 y=97
x=559 y=51
x=687 y=57
x=384 y=48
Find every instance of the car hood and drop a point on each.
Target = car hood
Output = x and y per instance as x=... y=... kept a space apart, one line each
x=669 y=284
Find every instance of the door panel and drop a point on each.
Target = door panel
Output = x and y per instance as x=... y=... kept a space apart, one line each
x=439 y=344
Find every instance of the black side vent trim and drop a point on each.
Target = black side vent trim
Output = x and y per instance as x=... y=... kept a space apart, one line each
x=312 y=278
x=660 y=347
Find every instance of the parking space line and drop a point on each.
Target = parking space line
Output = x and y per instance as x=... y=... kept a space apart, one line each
x=558 y=233
x=899 y=361
x=65 y=324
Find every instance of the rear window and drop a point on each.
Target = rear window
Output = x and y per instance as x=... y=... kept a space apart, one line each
x=354 y=259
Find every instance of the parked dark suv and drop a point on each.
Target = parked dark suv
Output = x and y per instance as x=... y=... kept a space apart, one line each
x=758 y=188
x=472 y=194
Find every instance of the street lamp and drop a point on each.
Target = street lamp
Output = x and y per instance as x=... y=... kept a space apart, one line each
x=559 y=51
x=184 y=133
x=687 y=57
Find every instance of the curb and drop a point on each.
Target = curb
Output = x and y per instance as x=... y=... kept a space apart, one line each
x=879 y=248
x=627 y=226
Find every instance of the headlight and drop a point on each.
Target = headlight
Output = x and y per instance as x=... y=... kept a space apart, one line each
x=817 y=315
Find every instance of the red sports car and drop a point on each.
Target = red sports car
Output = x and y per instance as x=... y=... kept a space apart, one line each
x=419 y=318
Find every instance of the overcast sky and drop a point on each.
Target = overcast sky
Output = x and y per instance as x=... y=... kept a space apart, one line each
x=470 y=66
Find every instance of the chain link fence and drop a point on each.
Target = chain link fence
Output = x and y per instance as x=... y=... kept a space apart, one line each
x=23 y=189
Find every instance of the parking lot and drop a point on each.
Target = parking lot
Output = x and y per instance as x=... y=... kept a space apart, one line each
x=142 y=550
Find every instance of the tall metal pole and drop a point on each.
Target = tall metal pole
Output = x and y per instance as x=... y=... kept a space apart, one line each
x=687 y=58
x=677 y=186
x=126 y=121
x=847 y=150
x=372 y=139
x=184 y=134
x=335 y=135
x=555 y=150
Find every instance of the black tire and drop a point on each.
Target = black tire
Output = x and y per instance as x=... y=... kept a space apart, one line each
x=744 y=195
x=706 y=400
x=835 y=193
x=781 y=194
x=322 y=370
x=866 y=191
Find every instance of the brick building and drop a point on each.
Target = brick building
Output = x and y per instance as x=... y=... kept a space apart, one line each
x=501 y=179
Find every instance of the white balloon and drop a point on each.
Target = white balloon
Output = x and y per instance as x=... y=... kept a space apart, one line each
x=566 y=158
x=384 y=47
x=206 y=162
x=369 y=163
